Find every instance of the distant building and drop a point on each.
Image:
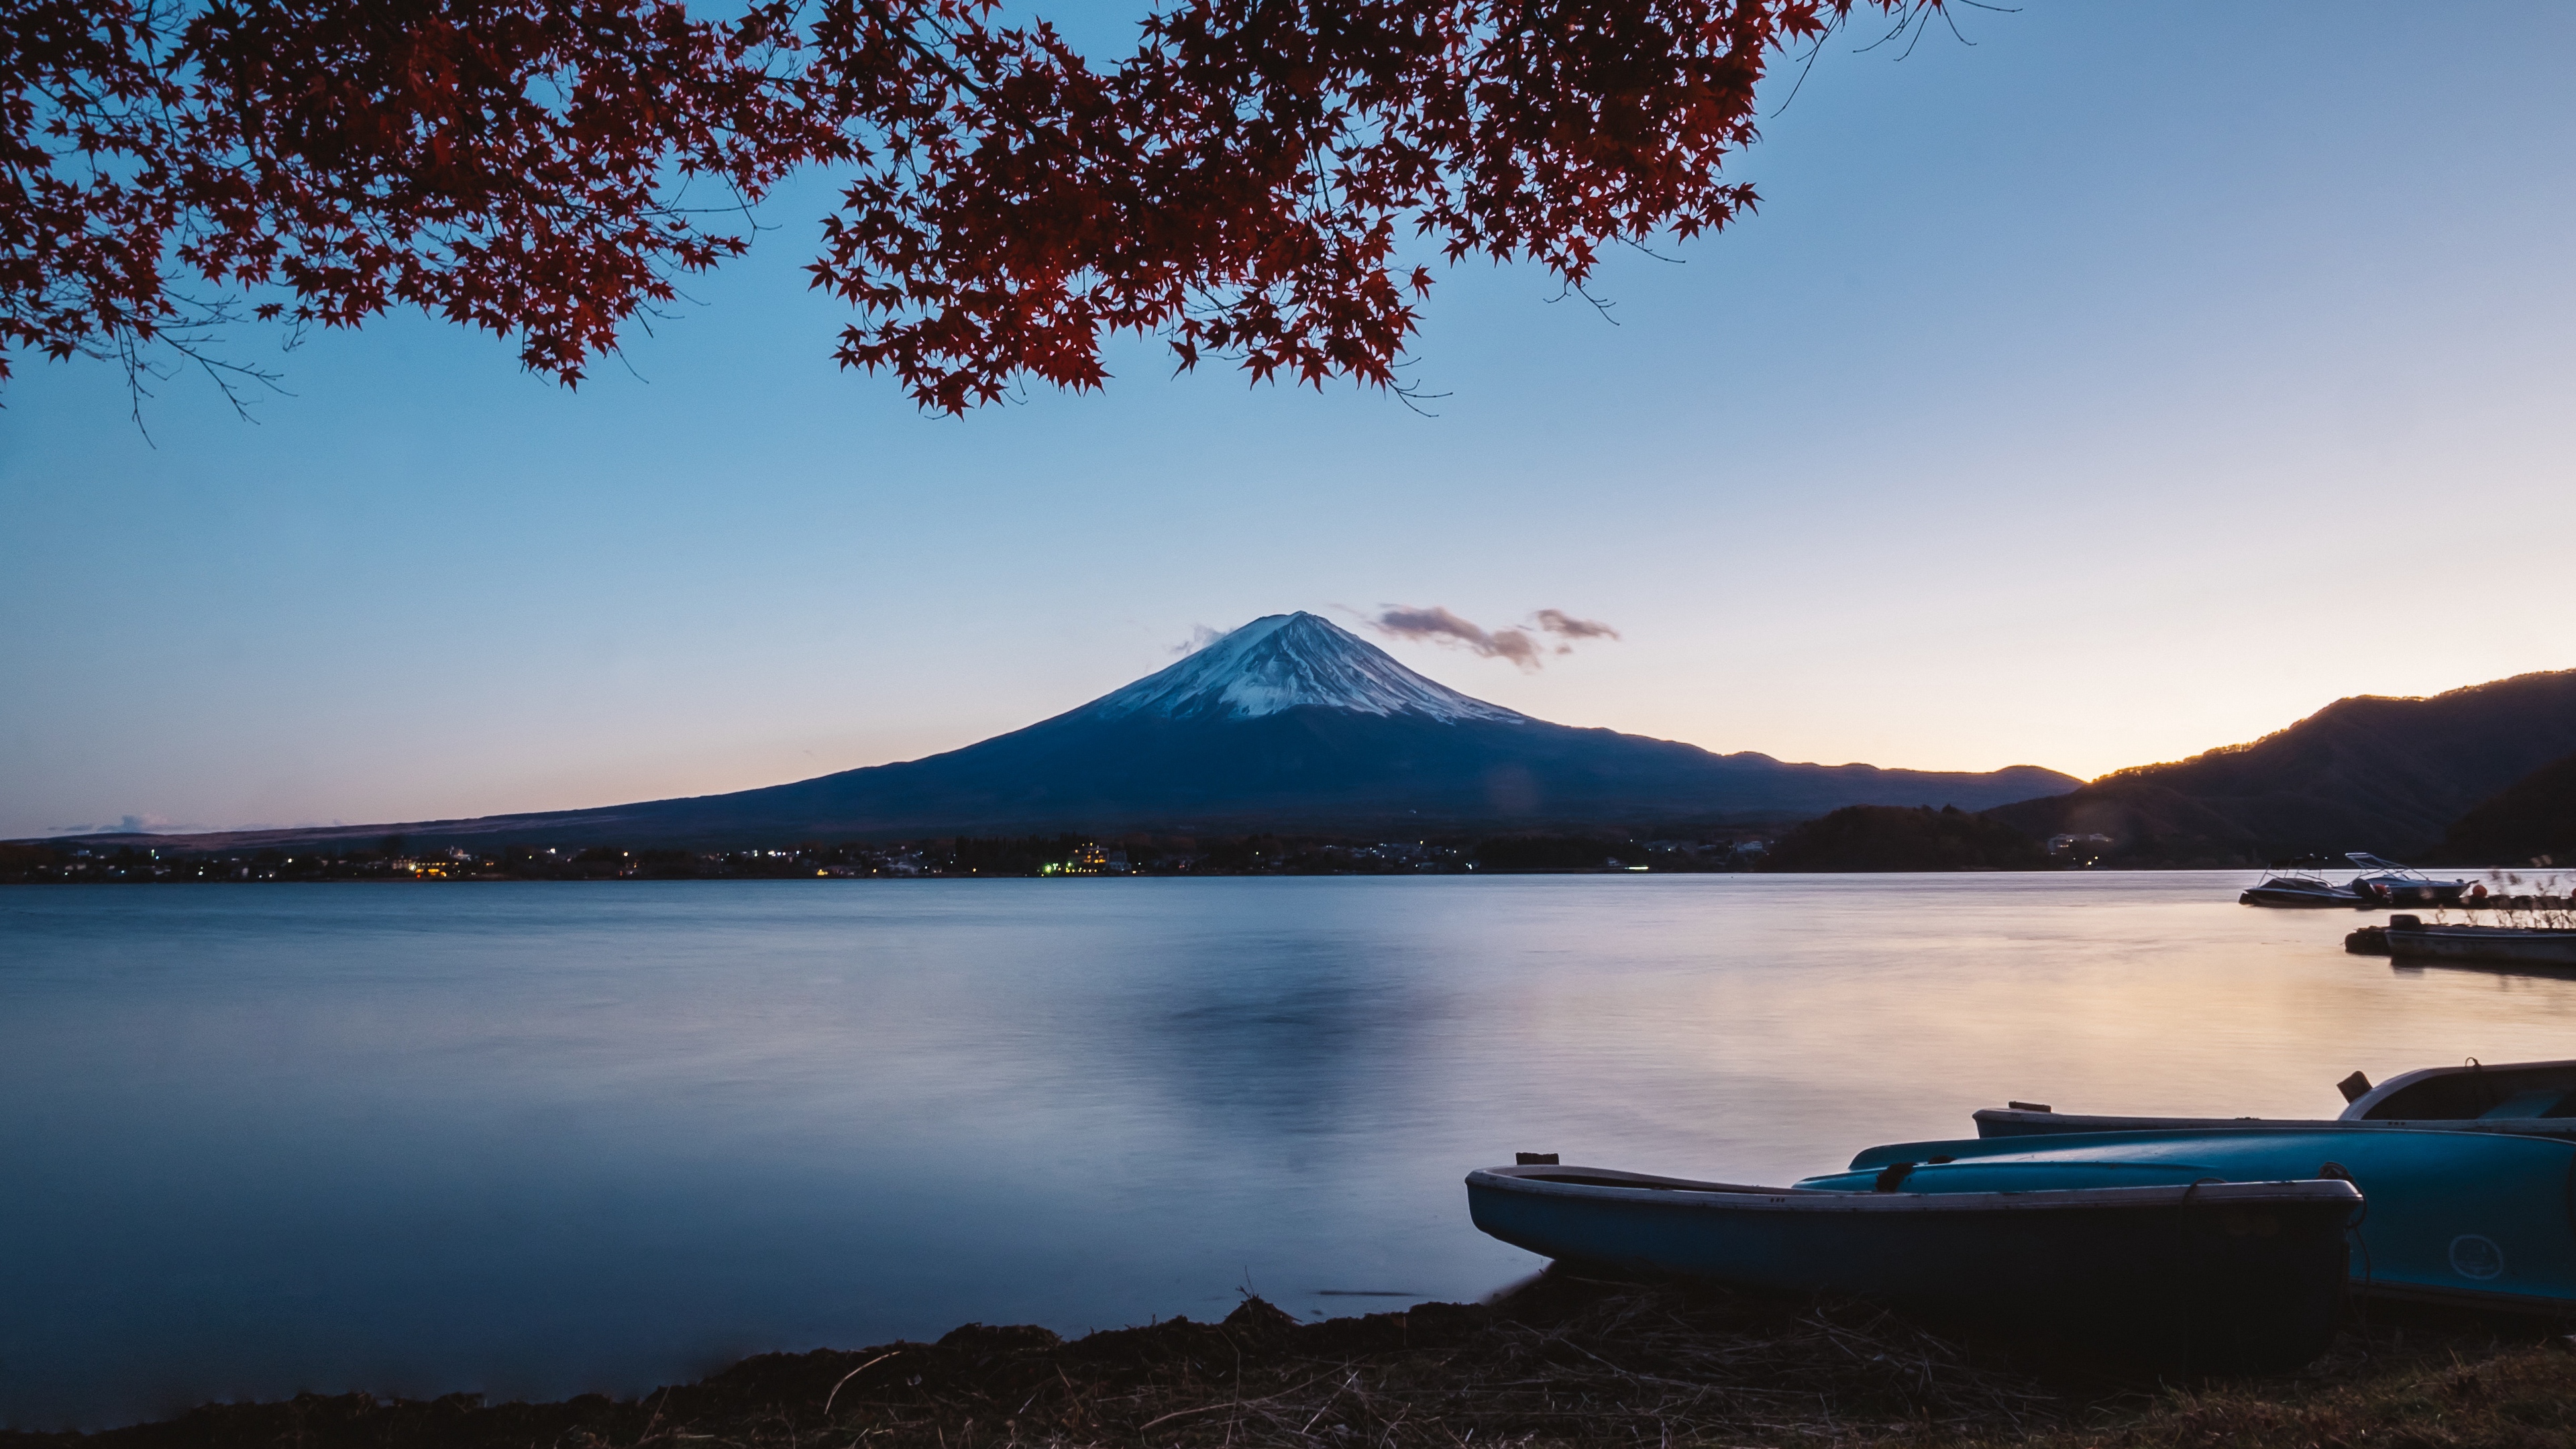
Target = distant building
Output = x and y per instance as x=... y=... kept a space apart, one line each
x=2078 y=849
x=1089 y=859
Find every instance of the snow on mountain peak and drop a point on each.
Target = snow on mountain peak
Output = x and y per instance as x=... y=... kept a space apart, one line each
x=1284 y=661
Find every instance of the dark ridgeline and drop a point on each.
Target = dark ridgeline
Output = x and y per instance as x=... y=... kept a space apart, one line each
x=2366 y=773
x=2529 y=821
x=1288 y=723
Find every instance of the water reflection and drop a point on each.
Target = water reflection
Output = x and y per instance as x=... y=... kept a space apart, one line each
x=2533 y=970
x=541 y=1139
x=1284 y=1032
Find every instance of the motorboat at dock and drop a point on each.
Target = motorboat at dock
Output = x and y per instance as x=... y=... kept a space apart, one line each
x=2377 y=885
x=2519 y=1099
x=2391 y=884
x=2299 y=887
x=2302 y=888
x=2157 y=1264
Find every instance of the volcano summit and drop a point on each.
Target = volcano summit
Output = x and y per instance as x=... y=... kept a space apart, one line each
x=1285 y=662
x=1290 y=722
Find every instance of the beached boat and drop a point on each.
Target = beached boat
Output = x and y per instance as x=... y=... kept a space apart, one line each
x=2471 y=1219
x=2155 y=1265
x=2519 y=1099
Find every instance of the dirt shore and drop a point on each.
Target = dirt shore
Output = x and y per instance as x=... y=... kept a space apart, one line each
x=1563 y=1361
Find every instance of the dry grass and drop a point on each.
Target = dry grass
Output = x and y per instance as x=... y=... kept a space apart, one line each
x=1563 y=1362
x=2506 y=1397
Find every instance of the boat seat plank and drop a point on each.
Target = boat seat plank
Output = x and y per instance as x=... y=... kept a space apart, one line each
x=2545 y=1102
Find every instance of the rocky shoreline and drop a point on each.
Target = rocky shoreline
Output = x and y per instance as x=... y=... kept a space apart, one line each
x=1562 y=1361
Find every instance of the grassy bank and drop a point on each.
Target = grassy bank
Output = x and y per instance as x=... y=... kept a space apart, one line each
x=1563 y=1361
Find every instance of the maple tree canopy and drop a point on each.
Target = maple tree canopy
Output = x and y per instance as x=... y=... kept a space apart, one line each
x=1243 y=185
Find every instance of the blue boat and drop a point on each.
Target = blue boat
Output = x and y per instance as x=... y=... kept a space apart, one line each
x=2521 y=1099
x=2152 y=1266
x=2472 y=1219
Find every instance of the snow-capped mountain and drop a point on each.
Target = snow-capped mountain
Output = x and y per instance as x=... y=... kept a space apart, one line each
x=1288 y=723
x=1290 y=661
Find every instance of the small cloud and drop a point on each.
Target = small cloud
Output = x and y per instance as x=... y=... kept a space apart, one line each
x=1518 y=644
x=1439 y=626
x=1566 y=626
x=1201 y=636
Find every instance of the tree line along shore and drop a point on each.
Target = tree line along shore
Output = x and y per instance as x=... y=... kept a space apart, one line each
x=1855 y=838
x=1859 y=838
x=1066 y=854
x=1561 y=1361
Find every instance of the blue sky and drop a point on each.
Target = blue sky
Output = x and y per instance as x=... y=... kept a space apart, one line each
x=2132 y=381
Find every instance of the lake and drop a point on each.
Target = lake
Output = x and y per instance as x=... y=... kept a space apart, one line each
x=539 y=1139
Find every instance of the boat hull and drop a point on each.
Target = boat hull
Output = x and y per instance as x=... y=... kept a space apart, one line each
x=2480 y=1219
x=2312 y=900
x=2226 y=1275
x=1995 y=1122
x=2517 y=1099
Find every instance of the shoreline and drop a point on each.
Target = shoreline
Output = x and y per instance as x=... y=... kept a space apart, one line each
x=1561 y=1360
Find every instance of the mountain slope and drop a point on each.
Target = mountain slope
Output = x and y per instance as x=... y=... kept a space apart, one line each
x=2532 y=818
x=2365 y=773
x=1287 y=723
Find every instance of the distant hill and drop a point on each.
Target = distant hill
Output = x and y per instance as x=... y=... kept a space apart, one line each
x=2533 y=817
x=2365 y=773
x=1883 y=837
x=1289 y=722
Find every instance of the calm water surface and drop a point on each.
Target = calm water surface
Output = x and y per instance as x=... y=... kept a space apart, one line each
x=541 y=1139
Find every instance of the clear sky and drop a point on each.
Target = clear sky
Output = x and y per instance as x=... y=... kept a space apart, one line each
x=2133 y=381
